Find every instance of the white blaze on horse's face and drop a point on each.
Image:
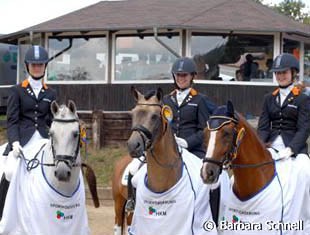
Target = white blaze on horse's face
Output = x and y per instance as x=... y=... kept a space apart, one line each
x=219 y=148
x=211 y=145
x=208 y=174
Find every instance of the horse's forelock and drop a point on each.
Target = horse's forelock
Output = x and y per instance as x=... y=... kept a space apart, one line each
x=64 y=112
x=149 y=94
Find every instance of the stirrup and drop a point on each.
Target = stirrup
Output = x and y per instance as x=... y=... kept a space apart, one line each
x=130 y=205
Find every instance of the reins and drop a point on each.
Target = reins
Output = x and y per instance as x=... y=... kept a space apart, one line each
x=35 y=162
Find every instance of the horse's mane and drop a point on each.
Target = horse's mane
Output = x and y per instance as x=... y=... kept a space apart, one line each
x=243 y=122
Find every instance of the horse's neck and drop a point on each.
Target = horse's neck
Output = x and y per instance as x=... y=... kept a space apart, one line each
x=165 y=153
x=64 y=188
x=248 y=181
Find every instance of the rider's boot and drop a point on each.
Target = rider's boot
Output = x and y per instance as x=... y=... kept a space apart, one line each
x=130 y=204
x=215 y=195
x=4 y=186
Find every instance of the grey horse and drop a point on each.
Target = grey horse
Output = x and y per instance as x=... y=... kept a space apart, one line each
x=46 y=193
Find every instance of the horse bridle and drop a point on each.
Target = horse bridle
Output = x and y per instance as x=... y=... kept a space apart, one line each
x=35 y=162
x=148 y=138
x=230 y=156
x=146 y=135
x=66 y=158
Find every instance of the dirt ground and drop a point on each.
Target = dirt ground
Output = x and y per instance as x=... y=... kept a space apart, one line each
x=101 y=220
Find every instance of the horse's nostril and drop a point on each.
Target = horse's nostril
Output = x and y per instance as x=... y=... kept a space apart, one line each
x=69 y=173
x=210 y=172
x=55 y=173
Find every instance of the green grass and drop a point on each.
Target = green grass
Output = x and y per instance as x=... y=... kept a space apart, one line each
x=2 y=135
x=102 y=162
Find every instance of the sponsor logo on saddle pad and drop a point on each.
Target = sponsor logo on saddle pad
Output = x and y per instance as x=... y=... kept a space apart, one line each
x=153 y=211
x=61 y=216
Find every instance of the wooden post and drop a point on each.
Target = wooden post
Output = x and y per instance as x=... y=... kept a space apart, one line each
x=97 y=118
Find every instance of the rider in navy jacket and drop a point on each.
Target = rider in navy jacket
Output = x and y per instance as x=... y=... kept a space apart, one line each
x=28 y=107
x=189 y=119
x=191 y=109
x=285 y=120
x=28 y=113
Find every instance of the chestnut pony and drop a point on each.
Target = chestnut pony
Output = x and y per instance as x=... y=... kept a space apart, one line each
x=119 y=193
x=261 y=189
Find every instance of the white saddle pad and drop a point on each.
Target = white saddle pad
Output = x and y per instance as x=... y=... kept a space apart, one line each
x=125 y=176
x=33 y=207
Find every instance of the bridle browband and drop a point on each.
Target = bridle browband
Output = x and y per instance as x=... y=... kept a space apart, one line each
x=148 y=138
x=230 y=156
x=35 y=162
x=66 y=158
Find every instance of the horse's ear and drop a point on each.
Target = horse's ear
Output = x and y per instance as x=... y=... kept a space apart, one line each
x=71 y=105
x=136 y=94
x=159 y=94
x=54 y=107
x=230 y=109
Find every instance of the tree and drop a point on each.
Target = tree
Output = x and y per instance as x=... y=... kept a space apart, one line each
x=293 y=9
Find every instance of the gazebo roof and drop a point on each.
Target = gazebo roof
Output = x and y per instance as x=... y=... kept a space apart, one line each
x=223 y=15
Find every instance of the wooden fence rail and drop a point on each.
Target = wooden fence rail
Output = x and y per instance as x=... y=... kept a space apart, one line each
x=107 y=127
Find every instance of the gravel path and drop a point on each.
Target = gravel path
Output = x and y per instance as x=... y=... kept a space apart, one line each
x=101 y=220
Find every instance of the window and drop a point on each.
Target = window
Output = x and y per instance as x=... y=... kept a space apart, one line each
x=8 y=64
x=236 y=57
x=292 y=47
x=141 y=57
x=82 y=59
x=307 y=63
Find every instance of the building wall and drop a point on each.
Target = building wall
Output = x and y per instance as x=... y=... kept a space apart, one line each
x=117 y=97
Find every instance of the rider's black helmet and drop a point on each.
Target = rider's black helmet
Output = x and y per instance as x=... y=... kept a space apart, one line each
x=36 y=55
x=184 y=65
x=285 y=62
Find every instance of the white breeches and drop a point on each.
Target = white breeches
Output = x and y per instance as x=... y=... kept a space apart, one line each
x=135 y=164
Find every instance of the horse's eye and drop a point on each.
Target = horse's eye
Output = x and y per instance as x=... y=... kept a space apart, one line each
x=75 y=134
x=226 y=133
x=50 y=134
x=154 y=117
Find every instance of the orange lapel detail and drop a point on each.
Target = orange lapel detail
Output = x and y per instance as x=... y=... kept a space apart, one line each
x=193 y=92
x=25 y=83
x=275 y=92
x=296 y=91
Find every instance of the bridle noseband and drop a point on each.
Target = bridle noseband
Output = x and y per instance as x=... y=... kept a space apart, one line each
x=148 y=138
x=66 y=158
x=230 y=156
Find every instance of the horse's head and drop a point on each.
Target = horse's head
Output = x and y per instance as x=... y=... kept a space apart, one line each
x=232 y=50
x=149 y=121
x=222 y=138
x=65 y=139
